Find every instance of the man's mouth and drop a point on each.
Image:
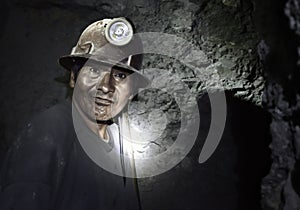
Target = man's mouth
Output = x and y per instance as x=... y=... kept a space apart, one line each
x=101 y=101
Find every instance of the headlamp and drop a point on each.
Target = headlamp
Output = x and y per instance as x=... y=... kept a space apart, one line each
x=119 y=32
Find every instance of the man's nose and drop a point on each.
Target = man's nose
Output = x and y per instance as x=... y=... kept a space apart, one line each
x=106 y=85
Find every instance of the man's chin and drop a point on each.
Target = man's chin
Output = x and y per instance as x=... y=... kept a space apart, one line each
x=103 y=119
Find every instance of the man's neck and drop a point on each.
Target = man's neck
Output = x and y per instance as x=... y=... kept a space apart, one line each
x=102 y=132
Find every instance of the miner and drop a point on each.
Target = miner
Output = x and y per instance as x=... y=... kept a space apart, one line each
x=52 y=164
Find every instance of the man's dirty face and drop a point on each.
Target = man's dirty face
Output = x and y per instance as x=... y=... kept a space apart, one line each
x=102 y=91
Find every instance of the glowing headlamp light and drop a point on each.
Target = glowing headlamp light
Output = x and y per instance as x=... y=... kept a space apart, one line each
x=119 y=32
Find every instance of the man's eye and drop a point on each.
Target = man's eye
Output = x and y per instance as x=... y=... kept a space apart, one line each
x=119 y=75
x=95 y=71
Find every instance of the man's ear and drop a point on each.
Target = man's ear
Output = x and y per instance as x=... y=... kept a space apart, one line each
x=72 y=80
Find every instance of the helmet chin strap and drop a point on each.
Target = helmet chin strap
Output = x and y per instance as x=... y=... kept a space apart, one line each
x=121 y=149
x=124 y=122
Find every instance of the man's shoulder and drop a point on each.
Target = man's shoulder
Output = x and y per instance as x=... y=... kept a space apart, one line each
x=49 y=127
x=55 y=116
x=45 y=139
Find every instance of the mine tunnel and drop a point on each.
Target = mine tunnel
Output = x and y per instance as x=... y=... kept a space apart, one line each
x=247 y=50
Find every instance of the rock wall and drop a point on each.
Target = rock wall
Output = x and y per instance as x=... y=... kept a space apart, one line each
x=278 y=24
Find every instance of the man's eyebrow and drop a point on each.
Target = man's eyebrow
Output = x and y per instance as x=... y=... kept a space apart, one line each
x=107 y=66
x=118 y=68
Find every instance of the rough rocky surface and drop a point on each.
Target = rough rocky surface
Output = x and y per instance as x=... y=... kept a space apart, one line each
x=280 y=188
x=228 y=41
x=226 y=55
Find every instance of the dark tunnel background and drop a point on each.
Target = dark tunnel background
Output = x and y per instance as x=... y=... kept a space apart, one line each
x=231 y=178
x=254 y=164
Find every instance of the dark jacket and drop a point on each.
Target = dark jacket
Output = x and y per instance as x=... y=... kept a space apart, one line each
x=46 y=168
